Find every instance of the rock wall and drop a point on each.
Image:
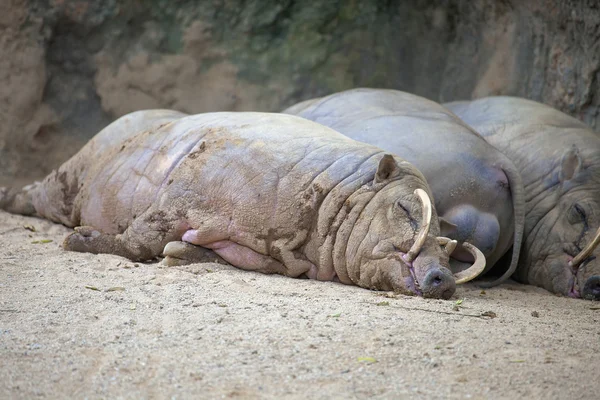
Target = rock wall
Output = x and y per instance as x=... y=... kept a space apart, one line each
x=69 y=67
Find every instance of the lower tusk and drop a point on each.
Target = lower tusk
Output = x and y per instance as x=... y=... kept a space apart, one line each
x=449 y=244
x=474 y=270
x=422 y=236
x=586 y=252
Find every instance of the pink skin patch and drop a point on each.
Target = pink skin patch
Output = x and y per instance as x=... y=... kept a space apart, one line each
x=411 y=281
x=574 y=292
x=312 y=272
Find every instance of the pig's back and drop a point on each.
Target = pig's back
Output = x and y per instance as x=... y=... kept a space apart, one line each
x=258 y=159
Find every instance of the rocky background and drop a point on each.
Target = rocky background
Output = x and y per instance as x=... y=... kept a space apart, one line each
x=69 y=67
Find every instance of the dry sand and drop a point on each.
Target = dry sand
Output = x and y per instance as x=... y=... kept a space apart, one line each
x=99 y=326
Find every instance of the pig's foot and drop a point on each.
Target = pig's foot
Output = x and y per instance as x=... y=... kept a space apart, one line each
x=143 y=240
x=296 y=266
x=18 y=201
x=182 y=253
x=87 y=239
x=322 y=275
x=295 y=262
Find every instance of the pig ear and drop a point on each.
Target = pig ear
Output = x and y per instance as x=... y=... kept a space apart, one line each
x=447 y=228
x=570 y=164
x=388 y=168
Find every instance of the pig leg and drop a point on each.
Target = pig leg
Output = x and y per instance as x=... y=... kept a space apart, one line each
x=143 y=240
x=245 y=258
x=236 y=254
x=248 y=259
x=183 y=253
x=18 y=201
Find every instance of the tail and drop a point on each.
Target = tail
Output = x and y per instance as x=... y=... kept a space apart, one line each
x=17 y=201
x=518 y=199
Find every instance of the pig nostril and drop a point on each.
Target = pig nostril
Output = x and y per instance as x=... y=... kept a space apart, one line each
x=591 y=290
x=438 y=283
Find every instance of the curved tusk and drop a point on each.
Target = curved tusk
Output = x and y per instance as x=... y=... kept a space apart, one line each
x=422 y=235
x=449 y=244
x=474 y=270
x=586 y=252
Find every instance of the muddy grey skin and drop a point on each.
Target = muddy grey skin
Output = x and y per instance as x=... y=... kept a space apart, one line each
x=559 y=160
x=478 y=192
x=267 y=192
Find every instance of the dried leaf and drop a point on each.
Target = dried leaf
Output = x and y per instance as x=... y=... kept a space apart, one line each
x=116 y=289
x=42 y=241
x=517 y=361
x=29 y=227
x=92 y=288
x=367 y=359
x=490 y=314
x=383 y=303
x=132 y=307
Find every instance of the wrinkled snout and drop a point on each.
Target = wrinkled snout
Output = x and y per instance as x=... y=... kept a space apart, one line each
x=591 y=288
x=433 y=279
x=438 y=283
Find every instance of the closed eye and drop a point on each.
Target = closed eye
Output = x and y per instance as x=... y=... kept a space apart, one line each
x=576 y=214
x=411 y=220
x=399 y=204
x=580 y=211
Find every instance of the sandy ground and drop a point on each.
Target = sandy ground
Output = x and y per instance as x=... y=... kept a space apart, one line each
x=99 y=326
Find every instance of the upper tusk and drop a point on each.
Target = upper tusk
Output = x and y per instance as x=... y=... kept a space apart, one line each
x=449 y=244
x=585 y=253
x=422 y=236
